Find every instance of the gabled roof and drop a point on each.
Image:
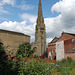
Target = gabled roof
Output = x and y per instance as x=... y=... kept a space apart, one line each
x=68 y=33
x=13 y=32
x=62 y=37
x=54 y=40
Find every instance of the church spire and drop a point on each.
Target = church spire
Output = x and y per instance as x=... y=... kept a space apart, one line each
x=40 y=34
x=40 y=10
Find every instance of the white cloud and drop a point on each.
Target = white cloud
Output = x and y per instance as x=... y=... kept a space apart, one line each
x=28 y=17
x=3 y=2
x=22 y=6
x=64 y=6
x=67 y=16
x=10 y=2
x=54 y=26
x=22 y=26
x=25 y=7
x=18 y=27
x=2 y=10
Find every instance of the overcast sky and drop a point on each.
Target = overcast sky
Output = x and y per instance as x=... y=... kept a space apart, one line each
x=21 y=15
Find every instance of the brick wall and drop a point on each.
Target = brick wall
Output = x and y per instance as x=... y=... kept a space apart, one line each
x=68 y=45
x=72 y=55
x=51 y=48
x=65 y=36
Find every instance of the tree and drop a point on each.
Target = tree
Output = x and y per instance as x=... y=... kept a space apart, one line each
x=24 y=50
x=5 y=64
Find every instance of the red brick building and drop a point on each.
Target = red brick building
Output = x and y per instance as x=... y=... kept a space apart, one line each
x=51 y=49
x=65 y=46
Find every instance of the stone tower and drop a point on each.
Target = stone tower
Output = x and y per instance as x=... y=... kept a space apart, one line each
x=40 y=34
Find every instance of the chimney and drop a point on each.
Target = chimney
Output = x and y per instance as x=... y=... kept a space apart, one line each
x=62 y=32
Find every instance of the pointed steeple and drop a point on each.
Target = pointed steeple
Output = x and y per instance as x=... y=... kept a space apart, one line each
x=40 y=33
x=40 y=19
x=40 y=10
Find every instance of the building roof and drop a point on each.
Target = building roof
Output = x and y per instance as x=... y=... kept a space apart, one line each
x=68 y=33
x=54 y=40
x=65 y=38
x=13 y=32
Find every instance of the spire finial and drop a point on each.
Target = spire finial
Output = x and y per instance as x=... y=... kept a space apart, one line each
x=40 y=9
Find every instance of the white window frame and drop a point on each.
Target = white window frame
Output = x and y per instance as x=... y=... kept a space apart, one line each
x=74 y=50
x=52 y=51
x=73 y=40
x=49 y=53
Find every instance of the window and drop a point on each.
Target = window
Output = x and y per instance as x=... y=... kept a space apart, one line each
x=74 y=50
x=49 y=53
x=52 y=51
x=73 y=40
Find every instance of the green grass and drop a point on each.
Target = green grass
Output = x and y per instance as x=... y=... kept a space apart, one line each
x=67 y=67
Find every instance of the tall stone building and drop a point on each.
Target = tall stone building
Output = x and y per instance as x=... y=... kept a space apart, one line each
x=11 y=40
x=39 y=46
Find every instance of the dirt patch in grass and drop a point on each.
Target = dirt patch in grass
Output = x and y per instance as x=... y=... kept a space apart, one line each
x=38 y=59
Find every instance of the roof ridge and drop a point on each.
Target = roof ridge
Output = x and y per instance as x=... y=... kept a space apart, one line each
x=13 y=32
x=69 y=33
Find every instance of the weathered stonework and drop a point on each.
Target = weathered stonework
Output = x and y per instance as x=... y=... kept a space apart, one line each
x=11 y=40
x=39 y=45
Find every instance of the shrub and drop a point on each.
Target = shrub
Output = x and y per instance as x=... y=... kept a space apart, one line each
x=36 y=56
x=64 y=61
x=37 y=68
x=24 y=50
x=19 y=66
x=5 y=64
x=46 y=54
x=69 y=59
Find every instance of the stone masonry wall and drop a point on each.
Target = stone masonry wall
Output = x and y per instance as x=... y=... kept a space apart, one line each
x=11 y=41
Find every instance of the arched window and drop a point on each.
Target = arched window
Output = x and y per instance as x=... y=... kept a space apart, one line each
x=35 y=48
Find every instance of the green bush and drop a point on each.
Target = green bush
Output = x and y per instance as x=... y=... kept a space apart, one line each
x=19 y=66
x=24 y=50
x=5 y=64
x=69 y=59
x=64 y=61
x=46 y=54
x=42 y=68
x=37 y=68
x=36 y=56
